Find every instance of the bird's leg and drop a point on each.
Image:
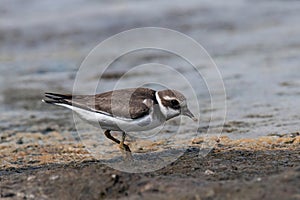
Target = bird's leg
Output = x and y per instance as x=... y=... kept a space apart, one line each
x=109 y=136
x=125 y=148
x=122 y=145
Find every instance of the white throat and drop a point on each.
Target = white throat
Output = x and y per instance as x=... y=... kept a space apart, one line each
x=168 y=113
x=162 y=108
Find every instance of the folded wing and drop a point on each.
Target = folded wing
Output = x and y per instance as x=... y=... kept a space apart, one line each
x=127 y=103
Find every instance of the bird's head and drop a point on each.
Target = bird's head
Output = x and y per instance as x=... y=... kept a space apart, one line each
x=172 y=103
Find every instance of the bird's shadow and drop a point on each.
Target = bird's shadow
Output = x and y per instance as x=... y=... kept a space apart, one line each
x=144 y=162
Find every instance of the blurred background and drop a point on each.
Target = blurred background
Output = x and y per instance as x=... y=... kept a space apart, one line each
x=255 y=44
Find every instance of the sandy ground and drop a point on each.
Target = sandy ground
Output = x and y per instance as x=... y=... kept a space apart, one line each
x=262 y=168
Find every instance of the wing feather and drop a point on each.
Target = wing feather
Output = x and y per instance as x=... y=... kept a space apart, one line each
x=126 y=103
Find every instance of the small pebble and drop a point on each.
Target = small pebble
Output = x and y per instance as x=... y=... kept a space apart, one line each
x=209 y=172
x=21 y=195
x=54 y=177
x=258 y=179
x=8 y=194
x=30 y=196
x=29 y=178
x=20 y=141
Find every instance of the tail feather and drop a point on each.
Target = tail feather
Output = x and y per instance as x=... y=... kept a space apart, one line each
x=50 y=101
x=55 y=95
x=57 y=98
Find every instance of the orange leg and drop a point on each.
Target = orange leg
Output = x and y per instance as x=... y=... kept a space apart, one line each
x=122 y=146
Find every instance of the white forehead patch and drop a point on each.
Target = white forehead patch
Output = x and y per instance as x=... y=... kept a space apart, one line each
x=169 y=98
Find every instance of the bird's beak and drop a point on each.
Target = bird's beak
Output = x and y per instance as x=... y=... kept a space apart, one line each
x=188 y=113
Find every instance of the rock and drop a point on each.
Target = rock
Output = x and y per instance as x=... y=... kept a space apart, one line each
x=7 y=195
x=20 y=141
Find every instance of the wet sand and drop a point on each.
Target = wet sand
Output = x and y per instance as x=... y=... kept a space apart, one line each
x=266 y=167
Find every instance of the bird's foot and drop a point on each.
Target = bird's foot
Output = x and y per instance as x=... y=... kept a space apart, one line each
x=124 y=147
x=126 y=151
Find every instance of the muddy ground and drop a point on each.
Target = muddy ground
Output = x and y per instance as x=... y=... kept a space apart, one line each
x=262 y=168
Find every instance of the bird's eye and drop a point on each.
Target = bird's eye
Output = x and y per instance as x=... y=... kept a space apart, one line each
x=174 y=102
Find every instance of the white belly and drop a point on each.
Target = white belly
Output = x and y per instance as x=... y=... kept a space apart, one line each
x=148 y=122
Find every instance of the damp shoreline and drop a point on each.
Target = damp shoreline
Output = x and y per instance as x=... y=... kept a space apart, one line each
x=232 y=169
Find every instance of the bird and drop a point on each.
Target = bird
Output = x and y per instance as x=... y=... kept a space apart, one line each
x=125 y=110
